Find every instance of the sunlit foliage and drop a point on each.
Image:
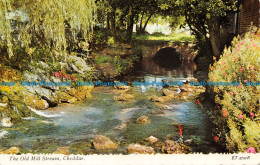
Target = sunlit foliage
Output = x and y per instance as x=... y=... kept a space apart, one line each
x=45 y=23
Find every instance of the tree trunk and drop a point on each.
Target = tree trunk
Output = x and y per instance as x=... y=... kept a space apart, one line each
x=214 y=32
x=130 y=25
x=108 y=22
x=113 y=22
x=146 y=23
x=141 y=22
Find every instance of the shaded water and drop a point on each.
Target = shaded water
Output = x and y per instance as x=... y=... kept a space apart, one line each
x=76 y=125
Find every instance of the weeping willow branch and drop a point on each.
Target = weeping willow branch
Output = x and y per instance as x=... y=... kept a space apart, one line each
x=44 y=22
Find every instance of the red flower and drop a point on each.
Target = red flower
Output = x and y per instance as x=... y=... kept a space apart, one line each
x=180 y=130
x=74 y=78
x=218 y=107
x=198 y=101
x=221 y=69
x=241 y=69
x=239 y=86
x=251 y=150
x=224 y=113
x=216 y=138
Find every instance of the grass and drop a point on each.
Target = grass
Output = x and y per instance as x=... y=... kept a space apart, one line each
x=162 y=37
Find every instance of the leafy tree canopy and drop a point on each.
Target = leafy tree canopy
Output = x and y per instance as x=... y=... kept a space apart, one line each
x=45 y=23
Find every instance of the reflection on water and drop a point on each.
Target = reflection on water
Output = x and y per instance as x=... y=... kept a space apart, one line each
x=184 y=70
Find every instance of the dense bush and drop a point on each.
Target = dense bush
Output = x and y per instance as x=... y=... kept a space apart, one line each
x=238 y=106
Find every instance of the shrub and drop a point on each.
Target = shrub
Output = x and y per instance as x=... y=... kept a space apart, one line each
x=237 y=116
x=100 y=60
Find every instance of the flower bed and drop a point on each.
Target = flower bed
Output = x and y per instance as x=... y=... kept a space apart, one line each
x=238 y=107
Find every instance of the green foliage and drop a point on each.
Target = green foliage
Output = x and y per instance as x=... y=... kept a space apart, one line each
x=100 y=39
x=120 y=64
x=102 y=59
x=162 y=37
x=46 y=24
x=198 y=13
x=238 y=117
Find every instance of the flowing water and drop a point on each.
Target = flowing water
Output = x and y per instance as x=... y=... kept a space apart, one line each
x=76 y=125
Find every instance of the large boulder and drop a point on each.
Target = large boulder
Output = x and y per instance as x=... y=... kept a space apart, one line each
x=154 y=98
x=143 y=120
x=78 y=64
x=170 y=93
x=34 y=102
x=46 y=94
x=101 y=142
x=152 y=139
x=139 y=149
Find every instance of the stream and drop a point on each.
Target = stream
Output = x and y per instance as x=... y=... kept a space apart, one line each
x=76 y=125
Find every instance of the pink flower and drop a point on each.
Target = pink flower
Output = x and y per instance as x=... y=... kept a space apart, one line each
x=247 y=47
x=239 y=45
x=252 y=115
x=240 y=116
x=251 y=150
x=245 y=81
x=239 y=86
x=242 y=43
x=241 y=69
x=251 y=39
x=231 y=93
x=221 y=69
x=253 y=67
x=56 y=74
x=238 y=50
